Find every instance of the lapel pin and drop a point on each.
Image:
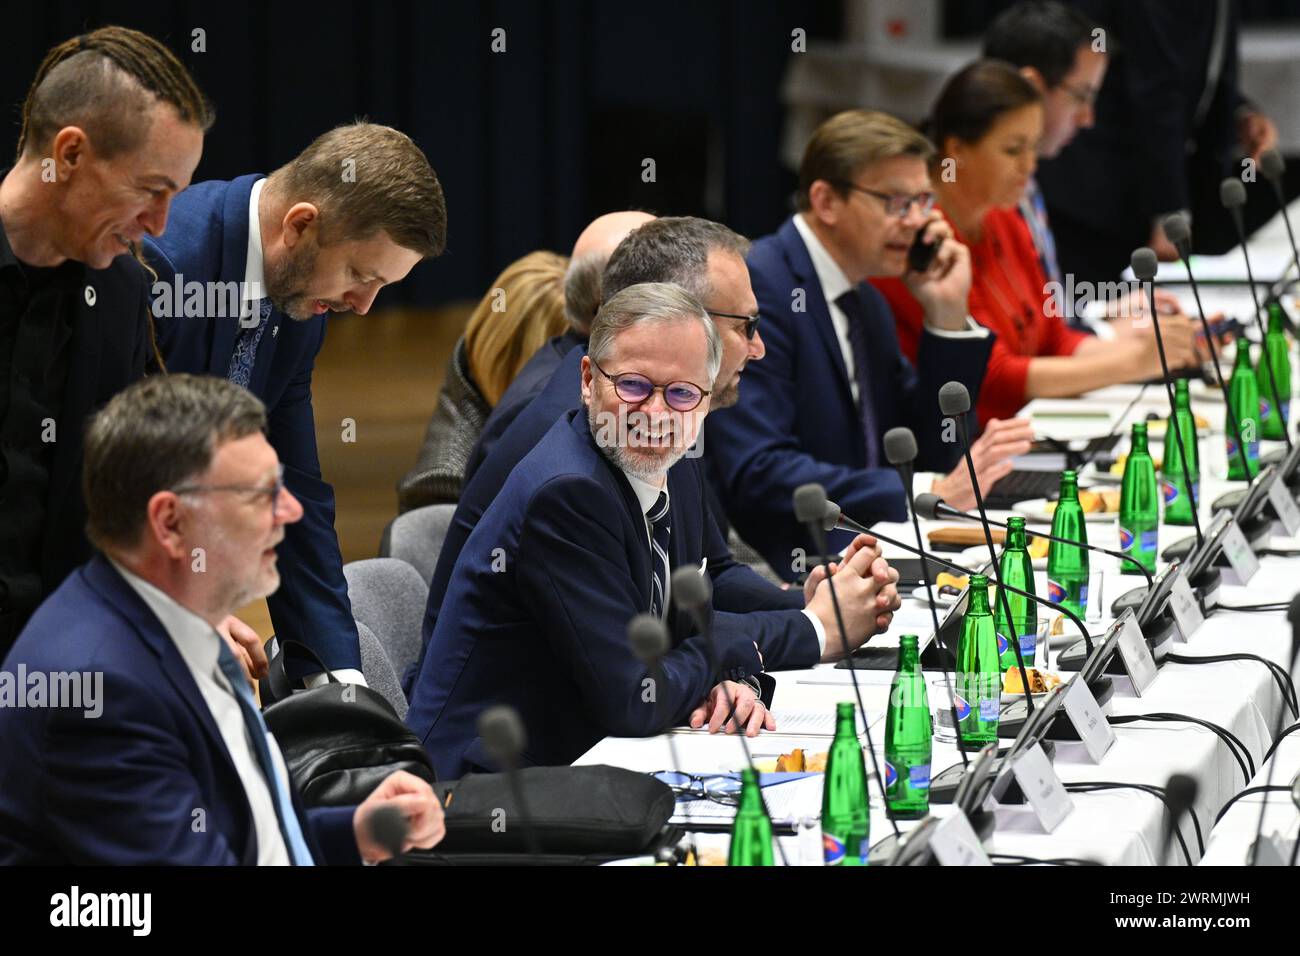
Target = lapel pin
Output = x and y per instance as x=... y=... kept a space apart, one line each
x=90 y=295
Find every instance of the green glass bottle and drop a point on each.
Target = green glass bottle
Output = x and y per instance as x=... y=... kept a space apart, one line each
x=1243 y=399
x=909 y=737
x=1067 y=564
x=1016 y=568
x=1173 y=485
x=979 y=678
x=1277 y=352
x=846 y=812
x=751 y=834
x=1139 y=506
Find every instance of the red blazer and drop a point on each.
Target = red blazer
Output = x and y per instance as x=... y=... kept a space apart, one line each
x=1009 y=296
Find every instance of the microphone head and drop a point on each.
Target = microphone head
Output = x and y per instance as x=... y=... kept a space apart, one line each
x=648 y=637
x=1293 y=615
x=1232 y=193
x=900 y=446
x=954 y=399
x=388 y=828
x=810 y=503
x=832 y=519
x=503 y=734
x=1144 y=264
x=1295 y=791
x=1271 y=165
x=1178 y=230
x=926 y=505
x=692 y=590
x=1181 y=791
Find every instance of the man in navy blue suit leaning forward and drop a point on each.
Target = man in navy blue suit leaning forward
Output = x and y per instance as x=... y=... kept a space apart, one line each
x=584 y=535
x=146 y=746
x=247 y=271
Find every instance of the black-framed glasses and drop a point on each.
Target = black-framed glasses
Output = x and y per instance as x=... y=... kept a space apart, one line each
x=718 y=787
x=751 y=321
x=274 y=492
x=634 y=388
x=897 y=206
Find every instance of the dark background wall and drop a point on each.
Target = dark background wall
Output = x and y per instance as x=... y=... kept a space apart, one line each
x=530 y=144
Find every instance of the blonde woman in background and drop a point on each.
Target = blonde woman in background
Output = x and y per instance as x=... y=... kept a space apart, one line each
x=524 y=308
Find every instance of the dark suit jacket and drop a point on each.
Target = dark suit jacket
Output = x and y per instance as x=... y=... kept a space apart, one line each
x=122 y=788
x=528 y=384
x=207 y=241
x=111 y=343
x=796 y=421
x=563 y=394
x=537 y=612
x=1137 y=161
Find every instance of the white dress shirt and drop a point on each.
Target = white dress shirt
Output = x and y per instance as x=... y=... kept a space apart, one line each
x=252 y=294
x=647 y=495
x=199 y=644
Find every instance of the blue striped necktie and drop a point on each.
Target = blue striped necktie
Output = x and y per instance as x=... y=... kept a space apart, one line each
x=851 y=306
x=660 y=535
x=289 y=825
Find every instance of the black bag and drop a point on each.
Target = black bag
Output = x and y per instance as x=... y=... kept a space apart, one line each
x=339 y=740
x=587 y=814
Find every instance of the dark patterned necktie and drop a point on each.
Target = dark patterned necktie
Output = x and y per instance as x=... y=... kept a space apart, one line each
x=660 y=535
x=245 y=354
x=851 y=305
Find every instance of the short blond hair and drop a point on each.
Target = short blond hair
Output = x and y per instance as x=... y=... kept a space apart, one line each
x=850 y=141
x=524 y=308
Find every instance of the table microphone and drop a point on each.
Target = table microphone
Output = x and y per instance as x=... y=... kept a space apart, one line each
x=810 y=510
x=1102 y=689
x=649 y=639
x=954 y=402
x=900 y=450
x=388 y=828
x=1293 y=617
x=1232 y=193
x=1272 y=166
x=1180 y=234
x=692 y=591
x=1180 y=795
x=504 y=740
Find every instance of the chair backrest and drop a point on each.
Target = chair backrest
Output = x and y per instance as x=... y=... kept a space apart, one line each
x=416 y=537
x=388 y=597
x=378 y=670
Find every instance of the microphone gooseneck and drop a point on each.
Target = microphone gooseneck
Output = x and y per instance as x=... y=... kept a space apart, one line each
x=1272 y=166
x=1232 y=193
x=1293 y=618
x=900 y=450
x=1143 y=262
x=810 y=509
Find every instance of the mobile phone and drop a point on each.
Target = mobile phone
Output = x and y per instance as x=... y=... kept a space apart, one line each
x=921 y=254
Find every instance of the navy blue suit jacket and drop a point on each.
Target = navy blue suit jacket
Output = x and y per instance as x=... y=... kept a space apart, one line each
x=537 y=612
x=207 y=241
x=796 y=421
x=562 y=394
x=122 y=788
x=527 y=385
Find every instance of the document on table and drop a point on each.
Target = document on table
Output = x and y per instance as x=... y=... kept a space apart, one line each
x=801 y=723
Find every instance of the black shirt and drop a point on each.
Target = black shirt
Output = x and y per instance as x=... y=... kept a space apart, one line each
x=37 y=311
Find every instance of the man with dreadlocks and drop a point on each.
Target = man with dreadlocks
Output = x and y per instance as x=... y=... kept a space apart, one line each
x=112 y=129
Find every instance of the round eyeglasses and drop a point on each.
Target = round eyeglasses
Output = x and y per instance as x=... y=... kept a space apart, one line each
x=634 y=388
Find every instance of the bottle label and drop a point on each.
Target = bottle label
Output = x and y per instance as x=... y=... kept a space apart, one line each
x=919 y=776
x=1286 y=411
x=832 y=849
x=1003 y=644
x=891 y=776
x=1125 y=539
x=990 y=709
x=1148 y=540
x=1265 y=409
x=1170 y=492
x=963 y=706
x=1028 y=644
x=1055 y=592
x=1083 y=594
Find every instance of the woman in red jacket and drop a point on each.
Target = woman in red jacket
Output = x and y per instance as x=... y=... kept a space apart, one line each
x=986 y=125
